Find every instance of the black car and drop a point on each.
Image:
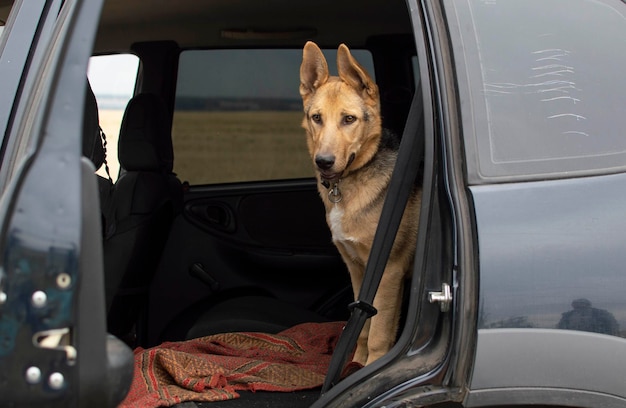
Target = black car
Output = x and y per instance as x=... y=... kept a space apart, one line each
x=185 y=205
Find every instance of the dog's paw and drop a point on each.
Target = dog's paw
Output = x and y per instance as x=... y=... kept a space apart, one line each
x=350 y=369
x=373 y=356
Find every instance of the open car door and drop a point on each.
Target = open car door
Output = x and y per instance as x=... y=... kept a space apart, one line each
x=53 y=342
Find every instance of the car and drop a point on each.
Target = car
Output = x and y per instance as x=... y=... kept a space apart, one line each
x=156 y=190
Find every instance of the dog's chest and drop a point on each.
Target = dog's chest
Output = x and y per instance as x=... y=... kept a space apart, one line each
x=338 y=230
x=335 y=222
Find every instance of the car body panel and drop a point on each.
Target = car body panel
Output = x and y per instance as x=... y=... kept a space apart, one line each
x=548 y=251
x=540 y=109
x=549 y=366
x=544 y=245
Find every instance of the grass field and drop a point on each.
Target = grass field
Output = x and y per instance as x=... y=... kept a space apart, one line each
x=217 y=147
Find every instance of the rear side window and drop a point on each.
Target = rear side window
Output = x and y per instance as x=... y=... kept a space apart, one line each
x=238 y=113
x=4 y=15
x=546 y=89
x=112 y=79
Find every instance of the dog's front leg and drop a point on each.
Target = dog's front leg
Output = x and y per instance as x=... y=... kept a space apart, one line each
x=361 y=352
x=357 y=271
x=388 y=302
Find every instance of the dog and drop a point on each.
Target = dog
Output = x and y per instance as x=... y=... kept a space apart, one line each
x=354 y=158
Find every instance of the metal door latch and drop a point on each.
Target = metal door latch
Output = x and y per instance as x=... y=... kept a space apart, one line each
x=56 y=339
x=444 y=297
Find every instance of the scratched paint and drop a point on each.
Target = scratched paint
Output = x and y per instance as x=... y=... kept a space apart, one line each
x=547 y=95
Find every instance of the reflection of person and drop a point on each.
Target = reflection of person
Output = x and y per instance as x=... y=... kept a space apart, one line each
x=586 y=318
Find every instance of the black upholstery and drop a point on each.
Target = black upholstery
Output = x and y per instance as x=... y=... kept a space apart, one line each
x=146 y=198
x=145 y=144
x=252 y=314
x=92 y=143
x=94 y=150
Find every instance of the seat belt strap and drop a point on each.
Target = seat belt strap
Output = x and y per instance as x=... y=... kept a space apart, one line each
x=400 y=187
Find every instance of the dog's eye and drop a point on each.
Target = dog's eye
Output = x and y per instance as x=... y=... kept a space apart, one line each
x=316 y=117
x=348 y=119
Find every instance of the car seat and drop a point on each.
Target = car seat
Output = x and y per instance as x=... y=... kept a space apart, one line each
x=92 y=143
x=252 y=313
x=146 y=198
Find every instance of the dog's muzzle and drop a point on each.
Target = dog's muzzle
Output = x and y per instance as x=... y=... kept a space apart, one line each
x=324 y=163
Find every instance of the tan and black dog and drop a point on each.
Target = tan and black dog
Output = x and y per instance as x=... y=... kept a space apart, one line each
x=354 y=159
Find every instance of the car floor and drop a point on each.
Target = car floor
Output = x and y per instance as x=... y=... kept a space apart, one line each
x=261 y=399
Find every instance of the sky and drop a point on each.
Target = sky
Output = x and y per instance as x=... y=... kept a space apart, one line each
x=113 y=74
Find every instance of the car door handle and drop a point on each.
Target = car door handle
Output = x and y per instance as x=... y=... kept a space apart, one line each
x=215 y=214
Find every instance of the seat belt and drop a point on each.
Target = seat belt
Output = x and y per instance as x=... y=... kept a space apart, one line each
x=400 y=187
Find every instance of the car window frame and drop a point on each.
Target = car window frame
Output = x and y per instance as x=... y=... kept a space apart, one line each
x=26 y=27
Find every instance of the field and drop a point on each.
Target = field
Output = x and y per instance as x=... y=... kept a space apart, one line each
x=217 y=147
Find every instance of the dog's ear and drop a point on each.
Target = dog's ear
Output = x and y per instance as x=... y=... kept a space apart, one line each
x=352 y=73
x=313 y=71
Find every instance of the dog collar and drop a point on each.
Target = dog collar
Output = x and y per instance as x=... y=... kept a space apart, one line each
x=334 y=195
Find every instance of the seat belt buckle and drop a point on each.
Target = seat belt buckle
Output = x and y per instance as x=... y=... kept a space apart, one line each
x=369 y=309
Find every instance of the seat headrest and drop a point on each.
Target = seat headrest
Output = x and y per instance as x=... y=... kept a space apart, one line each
x=145 y=143
x=92 y=142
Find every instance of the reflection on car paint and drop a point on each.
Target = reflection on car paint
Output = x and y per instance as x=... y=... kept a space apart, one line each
x=552 y=255
x=584 y=317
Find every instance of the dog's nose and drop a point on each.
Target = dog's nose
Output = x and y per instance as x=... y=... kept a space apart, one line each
x=324 y=162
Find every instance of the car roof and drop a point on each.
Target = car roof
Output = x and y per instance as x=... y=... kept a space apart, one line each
x=248 y=23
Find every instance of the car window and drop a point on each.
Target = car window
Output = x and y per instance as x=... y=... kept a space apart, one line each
x=547 y=96
x=4 y=13
x=112 y=78
x=5 y=10
x=238 y=113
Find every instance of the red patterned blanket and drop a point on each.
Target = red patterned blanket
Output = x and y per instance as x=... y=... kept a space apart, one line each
x=213 y=368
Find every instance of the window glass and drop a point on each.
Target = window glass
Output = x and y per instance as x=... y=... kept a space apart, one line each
x=112 y=78
x=238 y=113
x=546 y=89
x=5 y=10
x=4 y=13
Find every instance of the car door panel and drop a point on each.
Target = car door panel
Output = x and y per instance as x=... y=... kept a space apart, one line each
x=267 y=238
x=262 y=217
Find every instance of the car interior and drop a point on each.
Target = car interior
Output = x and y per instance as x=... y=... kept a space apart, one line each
x=189 y=254
x=207 y=222
x=214 y=223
